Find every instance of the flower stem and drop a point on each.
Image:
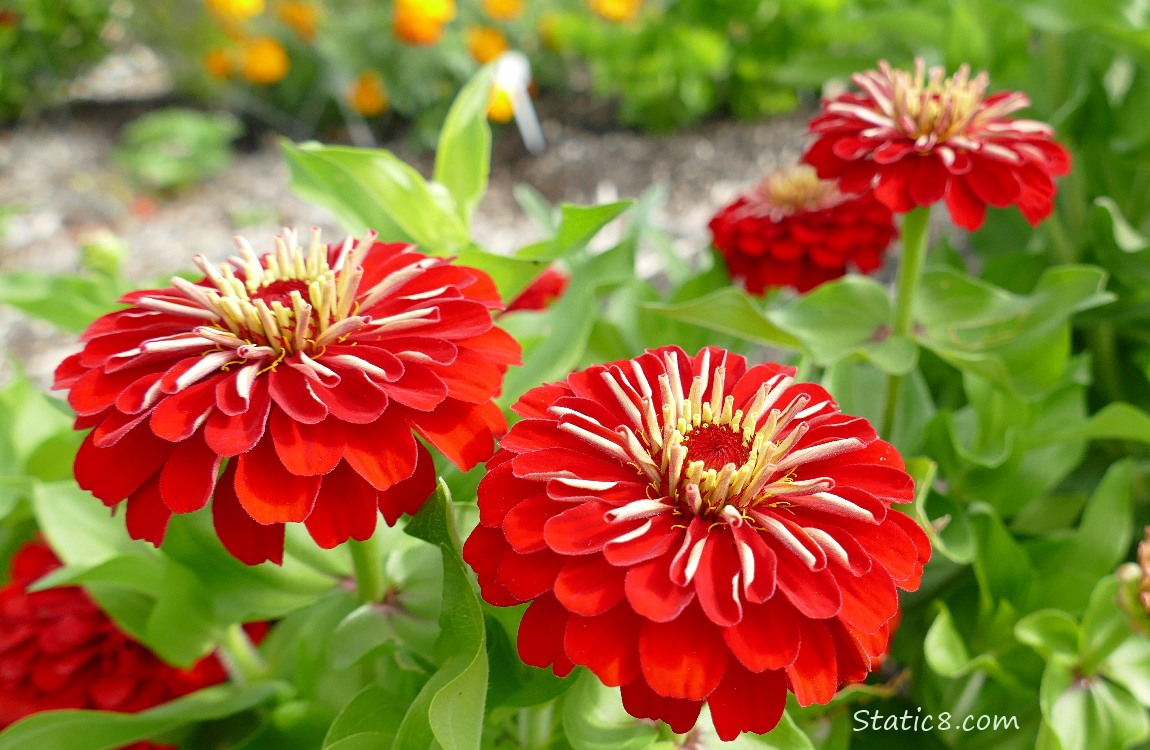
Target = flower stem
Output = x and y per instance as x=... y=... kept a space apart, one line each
x=535 y=725
x=366 y=558
x=915 y=232
x=240 y=657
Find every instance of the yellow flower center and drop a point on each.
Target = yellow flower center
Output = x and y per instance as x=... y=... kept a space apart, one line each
x=937 y=106
x=799 y=189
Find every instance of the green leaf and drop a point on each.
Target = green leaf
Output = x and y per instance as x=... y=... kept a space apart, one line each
x=374 y=189
x=511 y=275
x=1020 y=342
x=373 y=715
x=578 y=225
x=1049 y=631
x=1097 y=715
x=785 y=736
x=101 y=730
x=944 y=647
x=463 y=157
x=1115 y=421
x=594 y=719
x=450 y=706
x=1001 y=566
x=848 y=316
x=731 y=311
x=535 y=205
x=1104 y=625
x=68 y=302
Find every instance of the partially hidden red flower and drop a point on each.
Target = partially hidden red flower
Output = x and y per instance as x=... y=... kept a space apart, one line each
x=540 y=293
x=919 y=140
x=58 y=650
x=693 y=530
x=799 y=231
x=309 y=372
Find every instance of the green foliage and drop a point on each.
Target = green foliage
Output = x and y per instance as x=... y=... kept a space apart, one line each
x=175 y=148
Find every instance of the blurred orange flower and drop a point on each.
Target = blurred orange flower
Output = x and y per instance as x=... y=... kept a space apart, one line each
x=499 y=107
x=616 y=10
x=367 y=94
x=218 y=63
x=301 y=17
x=265 y=61
x=486 y=43
x=234 y=11
x=421 y=21
x=503 y=10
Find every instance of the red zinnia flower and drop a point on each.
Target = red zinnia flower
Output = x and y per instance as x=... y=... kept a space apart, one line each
x=797 y=230
x=918 y=141
x=59 y=650
x=696 y=531
x=540 y=293
x=309 y=370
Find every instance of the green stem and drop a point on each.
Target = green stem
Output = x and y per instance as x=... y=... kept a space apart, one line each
x=535 y=726
x=1060 y=242
x=240 y=657
x=915 y=233
x=368 y=562
x=1104 y=349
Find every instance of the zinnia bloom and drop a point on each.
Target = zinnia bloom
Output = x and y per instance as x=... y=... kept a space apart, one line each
x=616 y=11
x=797 y=230
x=503 y=10
x=485 y=43
x=918 y=141
x=367 y=94
x=694 y=530
x=302 y=17
x=59 y=650
x=308 y=370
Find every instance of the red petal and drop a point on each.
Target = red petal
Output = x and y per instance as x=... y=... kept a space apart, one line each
x=181 y=414
x=249 y=542
x=643 y=703
x=117 y=471
x=500 y=491
x=540 y=638
x=589 y=585
x=583 y=529
x=347 y=506
x=307 y=449
x=496 y=346
x=869 y=601
x=814 y=594
x=928 y=184
x=238 y=433
x=891 y=187
x=993 y=182
x=383 y=453
x=409 y=495
x=188 y=476
x=268 y=492
x=717 y=581
x=471 y=378
x=767 y=637
x=651 y=592
x=746 y=702
x=418 y=387
x=605 y=644
x=658 y=539
x=292 y=391
x=96 y=391
x=814 y=674
x=529 y=576
x=459 y=431
x=966 y=210
x=684 y=658
x=229 y=399
x=524 y=524
x=355 y=398
x=147 y=517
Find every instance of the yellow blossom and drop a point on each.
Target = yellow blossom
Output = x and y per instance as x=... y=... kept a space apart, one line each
x=616 y=10
x=486 y=43
x=367 y=94
x=303 y=18
x=503 y=10
x=265 y=61
x=499 y=107
x=218 y=63
x=421 y=21
x=234 y=11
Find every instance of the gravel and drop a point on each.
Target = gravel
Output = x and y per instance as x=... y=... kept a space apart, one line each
x=59 y=186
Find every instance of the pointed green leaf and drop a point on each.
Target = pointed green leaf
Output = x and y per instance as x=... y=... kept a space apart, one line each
x=463 y=157
x=731 y=311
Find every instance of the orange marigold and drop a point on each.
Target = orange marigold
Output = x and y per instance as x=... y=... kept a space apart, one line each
x=218 y=63
x=265 y=61
x=303 y=18
x=499 y=107
x=503 y=10
x=616 y=10
x=421 y=21
x=234 y=11
x=486 y=43
x=367 y=94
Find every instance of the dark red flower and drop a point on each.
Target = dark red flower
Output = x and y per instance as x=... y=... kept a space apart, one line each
x=797 y=230
x=59 y=650
x=308 y=371
x=540 y=293
x=919 y=140
x=696 y=531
